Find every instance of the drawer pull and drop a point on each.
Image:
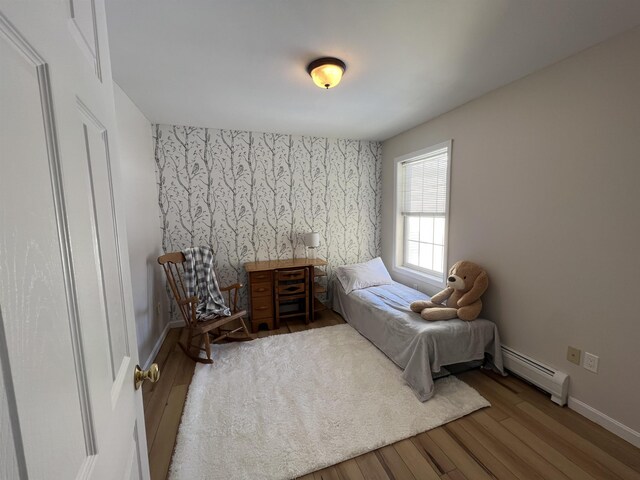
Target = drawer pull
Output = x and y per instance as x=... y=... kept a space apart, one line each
x=261 y=308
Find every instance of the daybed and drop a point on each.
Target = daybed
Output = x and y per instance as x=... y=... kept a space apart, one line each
x=381 y=314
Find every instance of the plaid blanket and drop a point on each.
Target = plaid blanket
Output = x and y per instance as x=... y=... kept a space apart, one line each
x=200 y=280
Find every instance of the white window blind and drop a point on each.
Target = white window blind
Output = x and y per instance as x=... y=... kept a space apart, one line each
x=423 y=213
x=425 y=184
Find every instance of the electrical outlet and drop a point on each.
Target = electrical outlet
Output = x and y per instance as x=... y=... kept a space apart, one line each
x=573 y=355
x=158 y=309
x=590 y=362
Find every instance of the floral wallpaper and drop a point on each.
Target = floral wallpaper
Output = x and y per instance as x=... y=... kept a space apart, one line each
x=252 y=196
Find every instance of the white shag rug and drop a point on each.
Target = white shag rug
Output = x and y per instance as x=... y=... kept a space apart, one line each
x=286 y=405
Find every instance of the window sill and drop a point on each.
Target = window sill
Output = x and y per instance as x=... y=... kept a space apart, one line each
x=419 y=276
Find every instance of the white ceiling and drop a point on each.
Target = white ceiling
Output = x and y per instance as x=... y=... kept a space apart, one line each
x=240 y=64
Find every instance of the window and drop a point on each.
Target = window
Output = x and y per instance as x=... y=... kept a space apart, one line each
x=422 y=200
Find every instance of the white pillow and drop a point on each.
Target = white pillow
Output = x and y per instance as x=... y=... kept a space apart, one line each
x=363 y=275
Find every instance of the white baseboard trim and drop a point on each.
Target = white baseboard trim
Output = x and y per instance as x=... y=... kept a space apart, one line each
x=605 y=421
x=156 y=347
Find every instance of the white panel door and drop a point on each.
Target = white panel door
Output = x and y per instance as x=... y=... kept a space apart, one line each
x=68 y=407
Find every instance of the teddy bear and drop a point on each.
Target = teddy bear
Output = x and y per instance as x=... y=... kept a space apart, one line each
x=465 y=285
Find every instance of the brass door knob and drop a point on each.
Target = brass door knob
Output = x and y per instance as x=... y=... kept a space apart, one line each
x=139 y=376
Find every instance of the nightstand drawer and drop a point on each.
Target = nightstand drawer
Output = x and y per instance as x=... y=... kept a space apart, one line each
x=261 y=307
x=256 y=277
x=262 y=289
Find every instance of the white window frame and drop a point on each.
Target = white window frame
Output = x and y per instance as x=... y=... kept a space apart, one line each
x=398 y=265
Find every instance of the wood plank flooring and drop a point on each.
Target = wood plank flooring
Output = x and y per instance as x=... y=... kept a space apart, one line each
x=523 y=435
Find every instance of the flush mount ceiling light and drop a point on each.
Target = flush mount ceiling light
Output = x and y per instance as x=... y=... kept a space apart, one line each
x=326 y=72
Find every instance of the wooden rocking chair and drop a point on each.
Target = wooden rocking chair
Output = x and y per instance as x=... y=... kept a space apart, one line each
x=205 y=331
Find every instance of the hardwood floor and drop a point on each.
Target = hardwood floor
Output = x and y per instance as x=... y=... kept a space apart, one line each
x=523 y=435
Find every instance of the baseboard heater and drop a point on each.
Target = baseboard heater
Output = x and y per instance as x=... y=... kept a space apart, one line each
x=541 y=375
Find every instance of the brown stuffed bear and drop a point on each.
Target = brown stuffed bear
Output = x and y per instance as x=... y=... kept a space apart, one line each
x=465 y=285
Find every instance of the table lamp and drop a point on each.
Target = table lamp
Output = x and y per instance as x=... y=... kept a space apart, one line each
x=312 y=241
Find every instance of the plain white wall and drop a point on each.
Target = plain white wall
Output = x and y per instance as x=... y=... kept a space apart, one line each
x=545 y=194
x=143 y=223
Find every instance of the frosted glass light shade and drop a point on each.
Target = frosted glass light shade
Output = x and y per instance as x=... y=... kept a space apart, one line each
x=326 y=72
x=326 y=76
x=312 y=239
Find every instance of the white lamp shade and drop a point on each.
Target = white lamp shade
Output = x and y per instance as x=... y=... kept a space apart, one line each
x=312 y=239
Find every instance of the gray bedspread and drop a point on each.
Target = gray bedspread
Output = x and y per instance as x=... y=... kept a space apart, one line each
x=419 y=347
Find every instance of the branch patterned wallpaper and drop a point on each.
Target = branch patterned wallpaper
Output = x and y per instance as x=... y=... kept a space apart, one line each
x=252 y=196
